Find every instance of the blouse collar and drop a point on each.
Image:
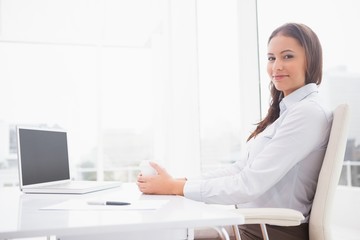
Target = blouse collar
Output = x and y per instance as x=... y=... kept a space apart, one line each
x=297 y=96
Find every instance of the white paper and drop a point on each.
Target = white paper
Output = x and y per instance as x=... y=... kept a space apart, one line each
x=81 y=204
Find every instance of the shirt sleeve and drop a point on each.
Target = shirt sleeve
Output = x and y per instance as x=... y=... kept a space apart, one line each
x=303 y=130
x=229 y=170
x=193 y=185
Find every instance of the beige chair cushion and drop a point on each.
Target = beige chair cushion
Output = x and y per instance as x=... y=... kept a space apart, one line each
x=273 y=216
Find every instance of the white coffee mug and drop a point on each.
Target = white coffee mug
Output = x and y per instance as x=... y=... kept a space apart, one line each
x=146 y=169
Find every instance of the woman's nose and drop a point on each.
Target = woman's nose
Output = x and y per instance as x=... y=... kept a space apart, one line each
x=278 y=65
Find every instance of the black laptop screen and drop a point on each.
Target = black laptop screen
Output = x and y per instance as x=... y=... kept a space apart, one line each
x=44 y=156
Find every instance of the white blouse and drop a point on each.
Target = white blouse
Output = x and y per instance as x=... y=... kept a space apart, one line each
x=280 y=166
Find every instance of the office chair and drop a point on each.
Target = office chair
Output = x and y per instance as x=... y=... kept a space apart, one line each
x=320 y=216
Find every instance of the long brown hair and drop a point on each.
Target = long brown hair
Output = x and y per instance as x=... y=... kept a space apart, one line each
x=313 y=53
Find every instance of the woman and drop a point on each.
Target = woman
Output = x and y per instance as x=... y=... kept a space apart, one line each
x=284 y=153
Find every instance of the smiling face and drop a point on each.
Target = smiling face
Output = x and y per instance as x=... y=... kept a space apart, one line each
x=286 y=64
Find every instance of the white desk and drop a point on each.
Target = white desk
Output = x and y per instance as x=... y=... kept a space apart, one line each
x=21 y=216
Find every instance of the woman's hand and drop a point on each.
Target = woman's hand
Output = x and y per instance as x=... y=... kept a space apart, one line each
x=162 y=183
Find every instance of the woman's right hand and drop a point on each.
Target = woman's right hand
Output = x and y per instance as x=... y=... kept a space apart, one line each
x=162 y=183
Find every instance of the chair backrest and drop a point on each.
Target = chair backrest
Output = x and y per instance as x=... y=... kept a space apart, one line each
x=319 y=222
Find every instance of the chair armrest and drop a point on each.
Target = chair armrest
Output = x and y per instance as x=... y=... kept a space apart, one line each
x=272 y=216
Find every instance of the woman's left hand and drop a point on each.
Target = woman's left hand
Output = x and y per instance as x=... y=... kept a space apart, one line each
x=162 y=183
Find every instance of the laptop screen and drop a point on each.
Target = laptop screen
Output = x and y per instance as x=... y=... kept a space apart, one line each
x=43 y=155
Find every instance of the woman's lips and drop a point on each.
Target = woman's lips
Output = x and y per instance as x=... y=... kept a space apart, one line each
x=279 y=77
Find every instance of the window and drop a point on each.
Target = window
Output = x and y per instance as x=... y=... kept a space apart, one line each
x=85 y=66
x=228 y=78
x=130 y=80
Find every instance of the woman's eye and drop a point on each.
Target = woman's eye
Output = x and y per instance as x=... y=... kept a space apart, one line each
x=288 y=56
x=270 y=59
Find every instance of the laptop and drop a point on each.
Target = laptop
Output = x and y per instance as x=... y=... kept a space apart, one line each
x=43 y=163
